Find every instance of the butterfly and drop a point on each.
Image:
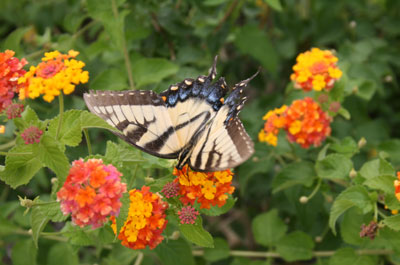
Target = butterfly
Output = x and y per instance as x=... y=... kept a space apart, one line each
x=191 y=121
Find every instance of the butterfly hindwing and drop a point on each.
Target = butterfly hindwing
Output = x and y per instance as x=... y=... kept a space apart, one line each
x=142 y=118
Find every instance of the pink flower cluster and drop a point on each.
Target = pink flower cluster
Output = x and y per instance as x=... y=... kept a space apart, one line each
x=91 y=192
x=32 y=135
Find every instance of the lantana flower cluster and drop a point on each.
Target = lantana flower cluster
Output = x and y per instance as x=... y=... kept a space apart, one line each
x=315 y=69
x=304 y=121
x=397 y=186
x=208 y=188
x=11 y=69
x=146 y=220
x=57 y=72
x=91 y=192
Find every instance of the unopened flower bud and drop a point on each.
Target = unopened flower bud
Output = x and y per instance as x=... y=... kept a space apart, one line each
x=353 y=173
x=53 y=180
x=335 y=106
x=303 y=199
x=148 y=180
x=362 y=142
x=352 y=24
x=388 y=79
x=355 y=89
x=175 y=235
x=318 y=239
x=25 y=202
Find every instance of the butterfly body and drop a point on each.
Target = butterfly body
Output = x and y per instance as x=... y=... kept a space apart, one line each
x=191 y=121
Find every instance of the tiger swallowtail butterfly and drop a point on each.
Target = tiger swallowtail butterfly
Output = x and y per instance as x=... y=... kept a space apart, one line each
x=191 y=121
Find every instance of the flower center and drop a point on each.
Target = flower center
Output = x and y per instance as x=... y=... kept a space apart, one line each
x=49 y=69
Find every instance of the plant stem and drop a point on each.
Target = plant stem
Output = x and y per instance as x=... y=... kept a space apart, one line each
x=139 y=258
x=89 y=146
x=8 y=145
x=316 y=189
x=83 y=29
x=61 y=105
x=124 y=49
x=14 y=154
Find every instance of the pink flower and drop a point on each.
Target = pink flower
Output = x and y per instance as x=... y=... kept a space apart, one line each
x=170 y=189
x=188 y=215
x=32 y=135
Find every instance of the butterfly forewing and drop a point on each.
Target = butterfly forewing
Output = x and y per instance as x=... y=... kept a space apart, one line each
x=142 y=118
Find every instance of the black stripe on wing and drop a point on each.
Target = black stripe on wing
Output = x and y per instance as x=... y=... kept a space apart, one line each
x=141 y=117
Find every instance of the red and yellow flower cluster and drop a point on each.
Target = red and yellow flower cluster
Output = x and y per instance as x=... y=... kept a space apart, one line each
x=304 y=121
x=91 y=192
x=146 y=220
x=315 y=69
x=10 y=71
x=397 y=186
x=211 y=188
x=56 y=72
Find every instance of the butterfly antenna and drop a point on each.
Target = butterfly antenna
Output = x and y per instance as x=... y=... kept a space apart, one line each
x=212 y=73
x=245 y=82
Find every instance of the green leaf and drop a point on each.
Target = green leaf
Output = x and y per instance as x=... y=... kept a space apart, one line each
x=214 y=2
x=19 y=169
x=216 y=210
x=13 y=41
x=62 y=252
x=38 y=221
x=90 y=120
x=52 y=210
x=349 y=256
x=24 y=252
x=393 y=222
x=110 y=79
x=297 y=173
x=28 y=118
x=376 y=168
x=123 y=211
x=344 y=113
x=268 y=228
x=51 y=155
x=382 y=182
x=220 y=251
x=255 y=42
x=173 y=252
x=76 y=235
x=366 y=90
x=346 y=146
x=152 y=70
x=351 y=224
x=355 y=196
x=295 y=246
x=6 y=227
x=196 y=234
x=70 y=133
x=392 y=147
x=334 y=166
x=275 y=4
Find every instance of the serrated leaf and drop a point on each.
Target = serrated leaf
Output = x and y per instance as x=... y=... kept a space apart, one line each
x=376 y=168
x=70 y=133
x=152 y=70
x=268 y=228
x=90 y=120
x=51 y=155
x=24 y=252
x=173 y=252
x=355 y=196
x=123 y=211
x=76 y=235
x=393 y=222
x=346 y=146
x=220 y=251
x=52 y=210
x=382 y=182
x=275 y=4
x=216 y=210
x=38 y=221
x=295 y=246
x=334 y=166
x=196 y=234
x=62 y=252
x=255 y=42
x=19 y=169
x=297 y=173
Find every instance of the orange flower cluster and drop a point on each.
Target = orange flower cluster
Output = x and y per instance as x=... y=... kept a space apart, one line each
x=397 y=186
x=145 y=222
x=91 y=192
x=208 y=188
x=315 y=69
x=11 y=69
x=304 y=121
x=56 y=72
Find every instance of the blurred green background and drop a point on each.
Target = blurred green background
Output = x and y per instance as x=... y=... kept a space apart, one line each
x=154 y=43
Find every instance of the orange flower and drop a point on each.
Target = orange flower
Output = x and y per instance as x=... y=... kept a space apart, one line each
x=304 y=121
x=208 y=188
x=397 y=186
x=315 y=69
x=146 y=220
x=57 y=72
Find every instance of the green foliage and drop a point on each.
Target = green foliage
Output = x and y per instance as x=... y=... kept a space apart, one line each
x=268 y=228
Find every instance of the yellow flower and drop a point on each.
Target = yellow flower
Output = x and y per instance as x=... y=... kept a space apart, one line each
x=209 y=190
x=2 y=129
x=57 y=72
